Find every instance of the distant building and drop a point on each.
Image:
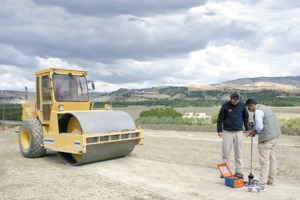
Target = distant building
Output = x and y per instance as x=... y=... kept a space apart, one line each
x=195 y=115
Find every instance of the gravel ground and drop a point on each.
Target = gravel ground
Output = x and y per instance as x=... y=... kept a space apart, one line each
x=170 y=165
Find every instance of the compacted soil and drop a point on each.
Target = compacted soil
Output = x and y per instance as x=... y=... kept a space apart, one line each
x=170 y=165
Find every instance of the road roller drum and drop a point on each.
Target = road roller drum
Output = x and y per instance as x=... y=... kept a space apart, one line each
x=114 y=123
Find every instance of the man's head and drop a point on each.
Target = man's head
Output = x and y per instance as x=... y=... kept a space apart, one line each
x=251 y=104
x=234 y=98
x=58 y=91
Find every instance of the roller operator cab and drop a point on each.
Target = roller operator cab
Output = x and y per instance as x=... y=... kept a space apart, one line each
x=61 y=118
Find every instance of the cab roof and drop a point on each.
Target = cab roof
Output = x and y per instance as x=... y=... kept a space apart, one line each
x=60 y=71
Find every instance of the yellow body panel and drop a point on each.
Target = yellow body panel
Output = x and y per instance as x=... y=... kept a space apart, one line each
x=65 y=142
x=17 y=132
x=29 y=110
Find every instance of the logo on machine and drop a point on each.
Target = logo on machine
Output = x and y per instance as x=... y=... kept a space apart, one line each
x=49 y=140
x=76 y=143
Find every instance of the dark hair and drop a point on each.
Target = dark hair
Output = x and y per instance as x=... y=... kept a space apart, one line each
x=250 y=102
x=234 y=96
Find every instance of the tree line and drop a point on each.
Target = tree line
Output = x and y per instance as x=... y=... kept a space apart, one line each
x=277 y=102
x=14 y=111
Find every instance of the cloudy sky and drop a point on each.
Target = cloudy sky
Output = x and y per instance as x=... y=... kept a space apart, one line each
x=147 y=43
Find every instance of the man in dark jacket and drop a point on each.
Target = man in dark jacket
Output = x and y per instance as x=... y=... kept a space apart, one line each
x=232 y=117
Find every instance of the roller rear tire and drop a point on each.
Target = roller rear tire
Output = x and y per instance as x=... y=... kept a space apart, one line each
x=31 y=139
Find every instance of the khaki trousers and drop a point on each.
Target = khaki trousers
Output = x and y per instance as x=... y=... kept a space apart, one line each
x=267 y=161
x=233 y=139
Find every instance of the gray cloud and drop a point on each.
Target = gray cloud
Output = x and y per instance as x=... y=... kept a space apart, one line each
x=124 y=7
x=12 y=57
x=103 y=39
x=149 y=43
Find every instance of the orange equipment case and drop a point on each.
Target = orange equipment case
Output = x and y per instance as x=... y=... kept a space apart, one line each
x=230 y=179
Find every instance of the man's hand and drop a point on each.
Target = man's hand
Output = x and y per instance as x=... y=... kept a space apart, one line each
x=251 y=133
x=220 y=134
x=248 y=133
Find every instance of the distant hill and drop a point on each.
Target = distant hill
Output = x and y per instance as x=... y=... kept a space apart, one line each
x=271 y=87
x=286 y=80
x=10 y=96
x=247 y=87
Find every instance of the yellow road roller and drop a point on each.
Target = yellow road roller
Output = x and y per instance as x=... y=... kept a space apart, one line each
x=62 y=118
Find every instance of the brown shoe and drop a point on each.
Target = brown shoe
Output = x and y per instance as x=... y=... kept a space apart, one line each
x=271 y=184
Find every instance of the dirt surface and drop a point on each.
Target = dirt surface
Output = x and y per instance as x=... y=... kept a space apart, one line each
x=170 y=165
